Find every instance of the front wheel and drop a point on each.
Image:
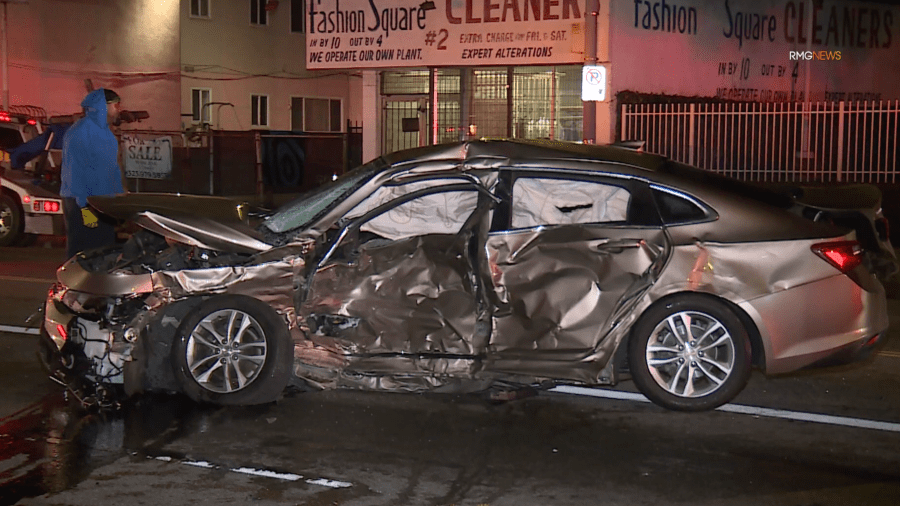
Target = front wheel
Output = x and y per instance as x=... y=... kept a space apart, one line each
x=233 y=350
x=11 y=220
x=690 y=353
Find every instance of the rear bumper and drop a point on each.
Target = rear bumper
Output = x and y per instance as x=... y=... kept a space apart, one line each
x=45 y=224
x=819 y=321
x=853 y=352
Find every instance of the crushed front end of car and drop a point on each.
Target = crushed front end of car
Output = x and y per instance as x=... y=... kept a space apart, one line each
x=91 y=323
x=110 y=318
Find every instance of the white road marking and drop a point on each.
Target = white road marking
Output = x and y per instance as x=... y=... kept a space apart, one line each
x=745 y=410
x=267 y=474
x=13 y=329
x=264 y=473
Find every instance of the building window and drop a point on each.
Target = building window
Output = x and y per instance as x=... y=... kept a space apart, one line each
x=316 y=114
x=200 y=8
x=259 y=110
x=258 y=13
x=200 y=105
x=298 y=16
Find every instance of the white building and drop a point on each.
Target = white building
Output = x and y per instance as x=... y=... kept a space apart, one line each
x=175 y=58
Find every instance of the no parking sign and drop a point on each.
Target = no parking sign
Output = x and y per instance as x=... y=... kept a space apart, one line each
x=593 y=83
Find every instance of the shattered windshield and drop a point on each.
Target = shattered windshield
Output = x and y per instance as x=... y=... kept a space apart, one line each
x=306 y=208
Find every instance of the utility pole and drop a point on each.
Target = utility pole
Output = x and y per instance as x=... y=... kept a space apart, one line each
x=589 y=108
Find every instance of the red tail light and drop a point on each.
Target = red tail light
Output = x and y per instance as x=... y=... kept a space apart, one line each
x=62 y=331
x=843 y=255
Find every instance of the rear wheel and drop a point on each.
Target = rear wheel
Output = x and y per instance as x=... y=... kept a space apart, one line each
x=233 y=350
x=11 y=220
x=690 y=353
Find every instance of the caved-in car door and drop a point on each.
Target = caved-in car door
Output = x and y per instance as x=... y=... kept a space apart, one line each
x=398 y=278
x=570 y=255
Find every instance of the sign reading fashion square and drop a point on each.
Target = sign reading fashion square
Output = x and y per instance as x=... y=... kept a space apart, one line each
x=400 y=33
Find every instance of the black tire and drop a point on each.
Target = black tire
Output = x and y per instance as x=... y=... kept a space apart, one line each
x=12 y=224
x=694 y=371
x=26 y=240
x=254 y=371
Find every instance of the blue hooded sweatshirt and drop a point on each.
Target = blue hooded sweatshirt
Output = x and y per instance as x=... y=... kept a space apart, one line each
x=90 y=163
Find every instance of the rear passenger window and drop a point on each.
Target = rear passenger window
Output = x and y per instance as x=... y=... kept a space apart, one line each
x=549 y=201
x=675 y=209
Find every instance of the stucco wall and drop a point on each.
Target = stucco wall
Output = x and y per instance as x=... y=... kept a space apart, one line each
x=130 y=46
x=235 y=60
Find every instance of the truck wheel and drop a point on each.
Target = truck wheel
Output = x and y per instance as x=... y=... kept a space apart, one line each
x=11 y=222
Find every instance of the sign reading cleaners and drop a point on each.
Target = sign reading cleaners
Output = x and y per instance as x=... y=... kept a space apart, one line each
x=148 y=158
x=757 y=50
x=400 y=33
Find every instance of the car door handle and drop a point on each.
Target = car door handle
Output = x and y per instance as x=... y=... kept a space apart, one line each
x=619 y=244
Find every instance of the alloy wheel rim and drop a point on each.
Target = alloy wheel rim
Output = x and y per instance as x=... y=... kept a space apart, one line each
x=5 y=219
x=226 y=351
x=690 y=354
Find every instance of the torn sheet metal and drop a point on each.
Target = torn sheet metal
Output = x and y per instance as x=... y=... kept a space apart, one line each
x=271 y=282
x=73 y=276
x=409 y=296
x=204 y=232
x=558 y=290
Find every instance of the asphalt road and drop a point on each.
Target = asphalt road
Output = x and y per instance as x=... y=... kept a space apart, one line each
x=816 y=438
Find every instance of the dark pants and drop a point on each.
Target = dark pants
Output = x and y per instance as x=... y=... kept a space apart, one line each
x=81 y=238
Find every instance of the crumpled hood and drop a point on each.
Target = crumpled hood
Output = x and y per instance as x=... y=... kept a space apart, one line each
x=215 y=223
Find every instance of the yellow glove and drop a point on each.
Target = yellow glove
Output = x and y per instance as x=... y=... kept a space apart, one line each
x=88 y=217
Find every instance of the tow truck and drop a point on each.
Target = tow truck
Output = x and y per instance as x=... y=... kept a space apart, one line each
x=29 y=203
x=30 y=157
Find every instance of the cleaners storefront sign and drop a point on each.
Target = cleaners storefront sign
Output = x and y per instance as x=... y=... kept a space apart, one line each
x=409 y=33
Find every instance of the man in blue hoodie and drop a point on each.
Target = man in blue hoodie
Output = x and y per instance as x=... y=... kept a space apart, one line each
x=90 y=166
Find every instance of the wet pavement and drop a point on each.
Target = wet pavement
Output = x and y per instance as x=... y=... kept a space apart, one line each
x=360 y=448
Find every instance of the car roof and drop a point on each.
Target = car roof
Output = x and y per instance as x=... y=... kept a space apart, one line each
x=487 y=152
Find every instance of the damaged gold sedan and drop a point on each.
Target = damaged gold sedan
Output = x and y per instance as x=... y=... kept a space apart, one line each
x=464 y=267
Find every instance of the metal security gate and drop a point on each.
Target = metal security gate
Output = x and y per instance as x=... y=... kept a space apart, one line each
x=524 y=102
x=404 y=122
x=825 y=141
